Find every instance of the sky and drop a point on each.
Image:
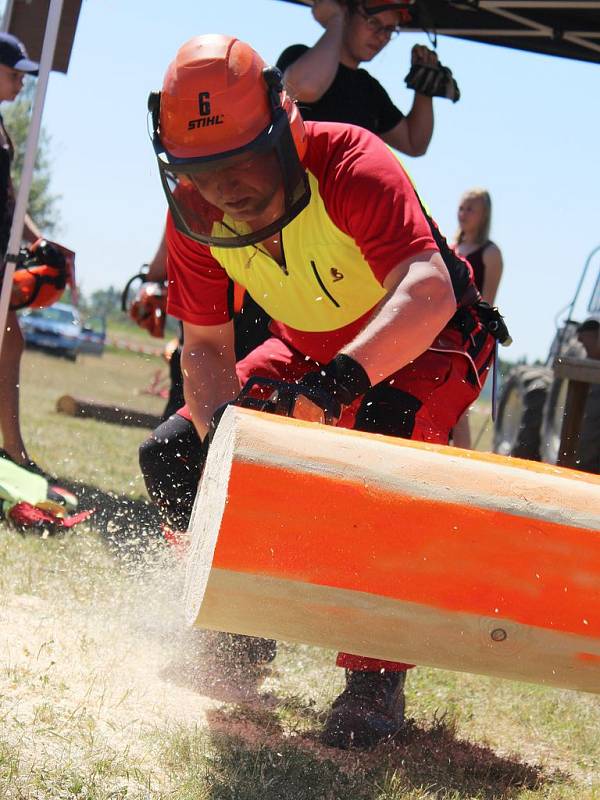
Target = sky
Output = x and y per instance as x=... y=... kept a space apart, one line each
x=526 y=128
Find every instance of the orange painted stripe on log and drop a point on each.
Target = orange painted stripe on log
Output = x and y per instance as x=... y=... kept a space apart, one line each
x=410 y=563
x=525 y=488
x=589 y=657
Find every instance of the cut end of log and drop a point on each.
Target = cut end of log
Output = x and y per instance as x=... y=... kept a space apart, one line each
x=118 y=415
x=67 y=405
x=205 y=522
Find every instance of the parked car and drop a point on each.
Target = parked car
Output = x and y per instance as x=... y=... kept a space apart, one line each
x=93 y=336
x=59 y=328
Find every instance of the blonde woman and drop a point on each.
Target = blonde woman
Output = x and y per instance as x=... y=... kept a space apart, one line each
x=473 y=243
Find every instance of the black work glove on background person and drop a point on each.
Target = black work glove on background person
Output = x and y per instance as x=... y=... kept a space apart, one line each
x=433 y=81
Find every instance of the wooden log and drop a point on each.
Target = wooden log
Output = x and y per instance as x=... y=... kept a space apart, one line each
x=398 y=550
x=78 y=407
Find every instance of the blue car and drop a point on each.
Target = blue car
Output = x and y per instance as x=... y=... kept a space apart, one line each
x=59 y=328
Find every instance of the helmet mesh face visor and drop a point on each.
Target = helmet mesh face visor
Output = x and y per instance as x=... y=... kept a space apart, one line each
x=241 y=197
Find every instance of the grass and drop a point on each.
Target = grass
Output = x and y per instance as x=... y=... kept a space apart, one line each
x=105 y=696
x=90 y=451
x=482 y=427
x=122 y=328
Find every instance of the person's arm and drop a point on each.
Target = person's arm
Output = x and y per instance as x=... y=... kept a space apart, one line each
x=157 y=268
x=413 y=133
x=208 y=367
x=492 y=261
x=309 y=77
x=373 y=200
x=200 y=295
x=419 y=304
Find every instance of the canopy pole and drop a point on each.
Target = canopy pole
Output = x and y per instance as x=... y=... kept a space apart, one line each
x=7 y=14
x=33 y=135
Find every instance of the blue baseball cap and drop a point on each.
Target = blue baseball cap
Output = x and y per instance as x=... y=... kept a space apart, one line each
x=14 y=55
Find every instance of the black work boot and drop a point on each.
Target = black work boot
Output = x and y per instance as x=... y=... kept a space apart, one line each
x=242 y=650
x=368 y=711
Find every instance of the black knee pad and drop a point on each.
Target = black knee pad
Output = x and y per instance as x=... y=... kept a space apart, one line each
x=171 y=460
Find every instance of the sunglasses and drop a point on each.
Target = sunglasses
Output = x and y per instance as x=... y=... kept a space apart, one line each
x=376 y=28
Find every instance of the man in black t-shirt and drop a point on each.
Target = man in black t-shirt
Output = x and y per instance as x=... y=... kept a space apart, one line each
x=328 y=85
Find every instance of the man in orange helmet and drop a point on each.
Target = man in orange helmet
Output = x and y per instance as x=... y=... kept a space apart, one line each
x=374 y=317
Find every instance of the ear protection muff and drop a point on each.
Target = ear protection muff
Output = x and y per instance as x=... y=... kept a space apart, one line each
x=154 y=109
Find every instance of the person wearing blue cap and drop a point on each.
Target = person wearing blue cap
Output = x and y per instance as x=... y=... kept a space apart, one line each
x=13 y=55
x=14 y=65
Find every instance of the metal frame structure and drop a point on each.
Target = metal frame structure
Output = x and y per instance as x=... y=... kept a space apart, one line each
x=565 y=28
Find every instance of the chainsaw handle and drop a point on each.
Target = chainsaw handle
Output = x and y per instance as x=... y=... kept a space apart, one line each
x=280 y=401
x=142 y=277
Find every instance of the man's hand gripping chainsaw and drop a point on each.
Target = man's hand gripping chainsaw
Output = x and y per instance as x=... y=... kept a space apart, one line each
x=319 y=396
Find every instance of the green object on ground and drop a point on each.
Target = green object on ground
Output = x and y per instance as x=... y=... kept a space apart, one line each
x=18 y=485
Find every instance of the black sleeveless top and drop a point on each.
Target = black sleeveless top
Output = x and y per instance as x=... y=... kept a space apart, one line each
x=475 y=259
x=7 y=196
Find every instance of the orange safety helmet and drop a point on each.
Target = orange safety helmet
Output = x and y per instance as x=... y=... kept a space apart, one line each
x=221 y=105
x=377 y=6
x=41 y=275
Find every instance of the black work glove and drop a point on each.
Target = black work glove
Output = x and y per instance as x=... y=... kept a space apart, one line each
x=336 y=384
x=433 y=81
